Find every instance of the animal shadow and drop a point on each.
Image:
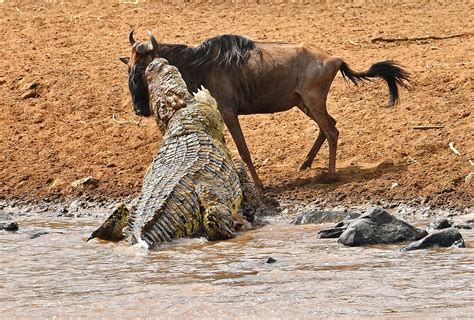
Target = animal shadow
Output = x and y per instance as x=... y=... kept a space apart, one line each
x=345 y=175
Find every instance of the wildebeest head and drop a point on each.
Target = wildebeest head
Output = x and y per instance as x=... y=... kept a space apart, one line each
x=142 y=54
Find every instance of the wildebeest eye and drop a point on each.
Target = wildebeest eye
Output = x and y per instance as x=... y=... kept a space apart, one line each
x=136 y=74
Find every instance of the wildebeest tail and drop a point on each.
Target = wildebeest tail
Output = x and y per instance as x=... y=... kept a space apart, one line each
x=390 y=71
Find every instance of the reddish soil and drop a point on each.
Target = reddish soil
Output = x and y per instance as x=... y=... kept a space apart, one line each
x=64 y=97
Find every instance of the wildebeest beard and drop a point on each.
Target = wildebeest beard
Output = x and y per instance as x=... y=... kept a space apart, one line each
x=139 y=89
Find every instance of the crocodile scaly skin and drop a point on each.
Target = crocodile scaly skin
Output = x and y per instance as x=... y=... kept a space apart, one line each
x=193 y=187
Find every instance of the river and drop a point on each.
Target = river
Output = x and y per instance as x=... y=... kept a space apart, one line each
x=59 y=274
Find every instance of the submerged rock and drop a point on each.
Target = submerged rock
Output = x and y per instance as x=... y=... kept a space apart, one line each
x=38 y=234
x=344 y=223
x=444 y=238
x=462 y=226
x=337 y=230
x=43 y=233
x=469 y=224
x=271 y=260
x=331 y=233
x=440 y=224
x=378 y=226
x=8 y=225
x=321 y=216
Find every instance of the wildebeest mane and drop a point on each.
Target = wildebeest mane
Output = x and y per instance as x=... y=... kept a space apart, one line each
x=225 y=50
x=194 y=63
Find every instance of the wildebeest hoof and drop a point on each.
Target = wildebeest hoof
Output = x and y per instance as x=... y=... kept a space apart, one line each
x=259 y=185
x=304 y=166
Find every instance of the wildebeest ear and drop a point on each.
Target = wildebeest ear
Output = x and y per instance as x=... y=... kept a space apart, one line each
x=125 y=60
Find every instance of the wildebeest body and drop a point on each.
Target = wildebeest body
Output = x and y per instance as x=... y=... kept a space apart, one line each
x=250 y=77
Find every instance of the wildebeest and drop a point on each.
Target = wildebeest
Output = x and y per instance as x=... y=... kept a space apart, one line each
x=249 y=77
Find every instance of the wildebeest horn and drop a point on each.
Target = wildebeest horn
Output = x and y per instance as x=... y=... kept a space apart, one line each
x=130 y=38
x=154 y=43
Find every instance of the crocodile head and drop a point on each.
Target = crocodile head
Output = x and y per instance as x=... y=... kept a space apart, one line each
x=167 y=89
x=169 y=93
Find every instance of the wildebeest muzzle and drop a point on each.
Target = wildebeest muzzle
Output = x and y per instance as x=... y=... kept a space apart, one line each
x=139 y=91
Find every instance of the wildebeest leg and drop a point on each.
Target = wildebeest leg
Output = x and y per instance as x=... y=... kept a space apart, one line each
x=316 y=107
x=232 y=123
x=314 y=150
x=316 y=146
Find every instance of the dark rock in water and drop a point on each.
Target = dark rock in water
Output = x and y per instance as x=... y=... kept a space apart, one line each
x=330 y=233
x=462 y=226
x=271 y=260
x=444 y=238
x=469 y=224
x=316 y=216
x=43 y=233
x=378 y=226
x=336 y=231
x=38 y=234
x=9 y=225
x=439 y=224
x=344 y=223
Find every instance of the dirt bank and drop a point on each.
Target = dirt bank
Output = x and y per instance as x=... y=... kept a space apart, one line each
x=65 y=110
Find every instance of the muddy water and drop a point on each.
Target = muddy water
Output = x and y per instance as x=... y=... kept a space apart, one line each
x=59 y=274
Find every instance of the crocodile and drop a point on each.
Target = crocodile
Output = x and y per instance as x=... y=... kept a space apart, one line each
x=193 y=187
